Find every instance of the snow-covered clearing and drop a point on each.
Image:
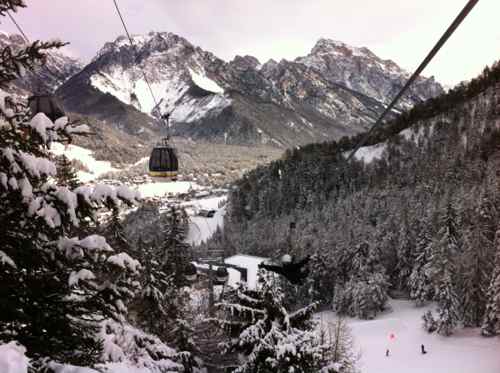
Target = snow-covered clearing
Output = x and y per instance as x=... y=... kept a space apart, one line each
x=162 y=189
x=464 y=352
x=73 y=152
x=201 y=228
x=369 y=153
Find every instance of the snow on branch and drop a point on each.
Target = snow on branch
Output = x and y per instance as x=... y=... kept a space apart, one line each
x=13 y=358
x=125 y=345
x=6 y=260
x=81 y=275
x=105 y=194
x=75 y=248
x=124 y=261
x=60 y=130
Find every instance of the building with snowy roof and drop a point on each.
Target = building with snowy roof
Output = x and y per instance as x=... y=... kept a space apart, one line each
x=248 y=262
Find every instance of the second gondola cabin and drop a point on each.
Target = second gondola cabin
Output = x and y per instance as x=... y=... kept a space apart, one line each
x=163 y=162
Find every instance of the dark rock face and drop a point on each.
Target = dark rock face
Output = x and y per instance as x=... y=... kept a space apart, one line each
x=334 y=91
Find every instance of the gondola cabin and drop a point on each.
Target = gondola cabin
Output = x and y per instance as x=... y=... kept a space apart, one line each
x=163 y=162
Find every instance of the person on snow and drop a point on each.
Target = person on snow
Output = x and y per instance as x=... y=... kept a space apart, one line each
x=422 y=347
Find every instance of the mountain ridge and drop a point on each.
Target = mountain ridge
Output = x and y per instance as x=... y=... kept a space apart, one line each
x=284 y=103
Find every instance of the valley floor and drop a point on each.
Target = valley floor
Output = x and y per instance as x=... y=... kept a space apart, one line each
x=463 y=352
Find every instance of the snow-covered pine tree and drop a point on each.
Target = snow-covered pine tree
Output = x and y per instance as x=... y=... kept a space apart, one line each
x=160 y=307
x=337 y=335
x=55 y=289
x=150 y=306
x=406 y=247
x=115 y=233
x=477 y=264
x=365 y=293
x=269 y=337
x=420 y=284
x=430 y=324
x=491 y=319
x=66 y=174
x=443 y=269
x=182 y=338
x=176 y=250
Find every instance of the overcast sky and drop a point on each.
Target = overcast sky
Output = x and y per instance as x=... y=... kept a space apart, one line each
x=402 y=30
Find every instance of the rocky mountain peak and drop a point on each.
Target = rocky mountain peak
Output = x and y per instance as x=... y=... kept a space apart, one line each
x=359 y=69
x=245 y=62
x=331 y=47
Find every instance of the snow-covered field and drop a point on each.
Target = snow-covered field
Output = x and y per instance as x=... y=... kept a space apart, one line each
x=162 y=189
x=73 y=152
x=201 y=228
x=464 y=352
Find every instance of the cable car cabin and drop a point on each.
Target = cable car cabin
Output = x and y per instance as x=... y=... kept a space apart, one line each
x=163 y=162
x=47 y=104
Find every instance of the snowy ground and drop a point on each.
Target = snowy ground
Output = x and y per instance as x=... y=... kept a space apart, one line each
x=72 y=152
x=464 y=352
x=200 y=228
x=163 y=189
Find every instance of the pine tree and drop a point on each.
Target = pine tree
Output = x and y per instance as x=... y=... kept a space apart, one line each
x=478 y=250
x=365 y=293
x=54 y=289
x=405 y=257
x=160 y=306
x=491 y=319
x=442 y=271
x=115 y=233
x=176 y=250
x=183 y=340
x=269 y=337
x=66 y=174
x=338 y=337
x=420 y=283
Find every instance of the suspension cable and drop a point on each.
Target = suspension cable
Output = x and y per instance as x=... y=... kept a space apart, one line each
x=18 y=27
x=451 y=29
x=134 y=50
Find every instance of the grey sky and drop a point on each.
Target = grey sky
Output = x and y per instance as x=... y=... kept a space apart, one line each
x=403 y=30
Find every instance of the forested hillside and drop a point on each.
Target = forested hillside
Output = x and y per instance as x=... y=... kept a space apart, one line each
x=416 y=211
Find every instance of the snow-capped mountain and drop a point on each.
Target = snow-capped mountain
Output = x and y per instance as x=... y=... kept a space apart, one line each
x=336 y=90
x=57 y=69
x=362 y=71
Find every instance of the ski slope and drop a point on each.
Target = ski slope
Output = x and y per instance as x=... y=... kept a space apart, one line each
x=463 y=352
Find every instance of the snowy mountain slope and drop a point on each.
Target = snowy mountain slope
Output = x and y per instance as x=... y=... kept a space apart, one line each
x=327 y=94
